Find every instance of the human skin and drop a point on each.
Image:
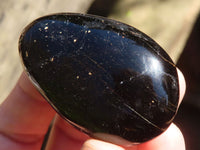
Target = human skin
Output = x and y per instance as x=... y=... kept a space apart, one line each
x=25 y=117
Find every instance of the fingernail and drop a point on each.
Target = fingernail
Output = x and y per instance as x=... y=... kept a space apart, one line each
x=99 y=145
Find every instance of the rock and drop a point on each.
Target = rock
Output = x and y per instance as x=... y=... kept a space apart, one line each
x=106 y=78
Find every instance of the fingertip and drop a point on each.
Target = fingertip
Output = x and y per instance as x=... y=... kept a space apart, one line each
x=172 y=138
x=182 y=85
x=93 y=144
x=25 y=84
x=25 y=111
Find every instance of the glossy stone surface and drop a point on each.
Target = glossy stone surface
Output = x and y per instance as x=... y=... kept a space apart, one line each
x=106 y=78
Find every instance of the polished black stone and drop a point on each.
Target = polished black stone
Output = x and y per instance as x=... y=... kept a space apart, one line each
x=106 y=78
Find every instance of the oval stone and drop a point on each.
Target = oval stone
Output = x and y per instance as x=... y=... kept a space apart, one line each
x=106 y=78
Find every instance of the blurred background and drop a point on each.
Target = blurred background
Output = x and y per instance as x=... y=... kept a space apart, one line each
x=174 y=24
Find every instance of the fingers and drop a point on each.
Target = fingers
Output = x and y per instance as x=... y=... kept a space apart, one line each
x=24 y=116
x=172 y=138
x=63 y=135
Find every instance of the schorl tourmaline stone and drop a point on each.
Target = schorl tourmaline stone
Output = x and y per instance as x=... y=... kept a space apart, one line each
x=106 y=78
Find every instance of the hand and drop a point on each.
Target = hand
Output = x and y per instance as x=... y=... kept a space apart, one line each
x=25 y=117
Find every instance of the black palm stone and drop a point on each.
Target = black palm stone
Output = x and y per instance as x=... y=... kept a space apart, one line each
x=106 y=78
